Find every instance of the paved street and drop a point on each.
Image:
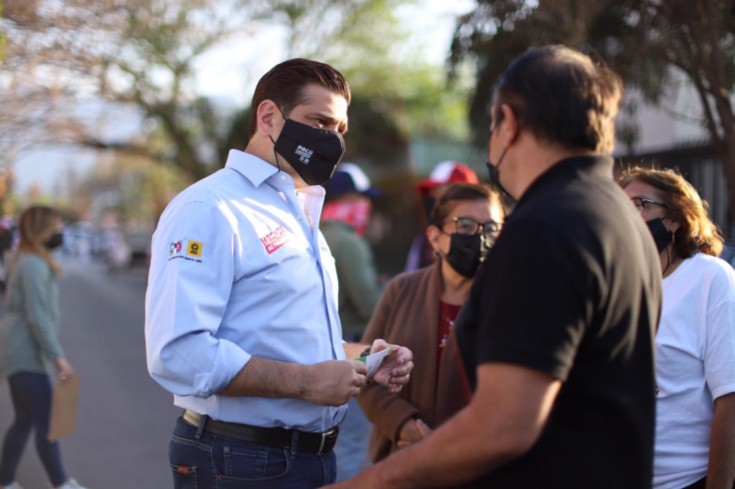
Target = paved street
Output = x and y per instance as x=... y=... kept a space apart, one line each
x=125 y=419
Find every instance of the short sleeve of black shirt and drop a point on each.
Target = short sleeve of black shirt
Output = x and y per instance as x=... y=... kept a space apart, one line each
x=531 y=300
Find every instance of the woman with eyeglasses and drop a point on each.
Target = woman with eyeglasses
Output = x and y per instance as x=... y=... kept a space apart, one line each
x=695 y=341
x=419 y=308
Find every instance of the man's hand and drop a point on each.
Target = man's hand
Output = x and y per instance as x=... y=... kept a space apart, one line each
x=396 y=367
x=333 y=382
x=412 y=431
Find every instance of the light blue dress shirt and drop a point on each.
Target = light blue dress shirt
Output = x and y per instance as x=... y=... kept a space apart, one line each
x=240 y=269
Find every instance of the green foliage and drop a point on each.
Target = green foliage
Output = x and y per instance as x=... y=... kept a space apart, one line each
x=639 y=39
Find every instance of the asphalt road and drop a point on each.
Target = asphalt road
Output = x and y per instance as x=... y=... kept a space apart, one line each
x=125 y=419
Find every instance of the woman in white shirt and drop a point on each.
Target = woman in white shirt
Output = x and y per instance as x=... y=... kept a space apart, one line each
x=695 y=341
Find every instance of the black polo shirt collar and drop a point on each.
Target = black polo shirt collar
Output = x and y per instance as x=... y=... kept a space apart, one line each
x=588 y=166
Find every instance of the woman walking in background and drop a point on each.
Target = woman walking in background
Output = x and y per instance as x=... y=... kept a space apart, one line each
x=419 y=309
x=31 y=347
x=695 y=341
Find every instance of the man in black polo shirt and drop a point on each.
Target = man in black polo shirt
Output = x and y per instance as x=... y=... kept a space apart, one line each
x=557 y=334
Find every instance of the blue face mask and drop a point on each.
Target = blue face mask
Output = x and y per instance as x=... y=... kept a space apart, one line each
x=312 y=153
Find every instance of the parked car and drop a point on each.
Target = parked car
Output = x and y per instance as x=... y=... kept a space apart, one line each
x=127 y=250
x=139 y=244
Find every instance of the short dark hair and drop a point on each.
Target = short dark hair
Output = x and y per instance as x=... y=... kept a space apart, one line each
x=461 y=192
x=563 y=97
x=285 y=82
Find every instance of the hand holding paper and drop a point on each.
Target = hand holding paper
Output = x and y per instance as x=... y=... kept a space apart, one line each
x=374 y=361
x=393 y=367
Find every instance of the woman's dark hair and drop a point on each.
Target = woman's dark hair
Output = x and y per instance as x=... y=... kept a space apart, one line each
x=563 y=97
x=461 y=192
x=285 y=82
x=696 y=231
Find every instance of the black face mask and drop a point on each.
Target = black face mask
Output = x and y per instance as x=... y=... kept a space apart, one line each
x=466 y=252
x=312 y=153
x=661 y=235
x=494 y=177
x=494 y=170
x=54 y=241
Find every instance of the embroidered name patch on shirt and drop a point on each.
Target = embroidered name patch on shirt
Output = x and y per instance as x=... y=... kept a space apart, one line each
x=185 y=249
x=274 y=240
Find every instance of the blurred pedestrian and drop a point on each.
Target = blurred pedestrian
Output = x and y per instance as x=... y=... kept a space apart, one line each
x=344 y=220
x=430 y=189
x=241 y=307
x=557 y=332
x=419 y=309
x=31 y=349
x=346 y=215
x=695 y=341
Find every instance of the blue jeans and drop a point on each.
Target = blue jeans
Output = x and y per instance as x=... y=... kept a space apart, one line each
x=31 y=394
x=219 y=462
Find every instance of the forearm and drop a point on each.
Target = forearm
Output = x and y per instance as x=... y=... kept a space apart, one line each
x=354 y=350
x=261 y=377
x=466 y=455
x=721 y=469
x=504 y=420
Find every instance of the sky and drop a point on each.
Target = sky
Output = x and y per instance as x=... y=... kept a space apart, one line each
x=430 y=23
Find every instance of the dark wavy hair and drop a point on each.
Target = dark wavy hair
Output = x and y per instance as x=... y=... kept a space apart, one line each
x=562 y=97
x=696 y=230
x=285 y=82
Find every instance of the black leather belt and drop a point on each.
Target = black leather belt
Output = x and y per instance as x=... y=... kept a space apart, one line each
x=308 y=442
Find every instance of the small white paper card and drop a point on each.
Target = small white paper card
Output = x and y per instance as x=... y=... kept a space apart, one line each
x=374 y=361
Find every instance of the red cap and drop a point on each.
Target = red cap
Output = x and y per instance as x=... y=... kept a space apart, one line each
x=448 y=172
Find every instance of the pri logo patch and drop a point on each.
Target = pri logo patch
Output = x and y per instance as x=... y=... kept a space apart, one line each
x=189 y=250
x=274 y=240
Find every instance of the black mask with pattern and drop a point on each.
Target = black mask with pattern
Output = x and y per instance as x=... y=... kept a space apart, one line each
x=312 y=153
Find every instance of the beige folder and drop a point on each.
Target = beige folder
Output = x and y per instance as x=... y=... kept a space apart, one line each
x=64 y=408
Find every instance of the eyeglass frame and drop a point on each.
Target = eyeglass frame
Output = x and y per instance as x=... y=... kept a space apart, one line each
x=646 y=200
x=488 y=234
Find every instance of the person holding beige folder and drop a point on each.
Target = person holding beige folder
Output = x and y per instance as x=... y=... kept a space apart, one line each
x=30 y=348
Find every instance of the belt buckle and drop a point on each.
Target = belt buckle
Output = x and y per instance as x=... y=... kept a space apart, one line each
x=324 y=437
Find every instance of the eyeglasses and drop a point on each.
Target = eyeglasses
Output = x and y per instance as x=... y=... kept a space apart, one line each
x=469 y=226
x=640 y=203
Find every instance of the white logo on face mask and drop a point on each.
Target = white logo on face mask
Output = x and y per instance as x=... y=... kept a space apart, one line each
x=304 y=154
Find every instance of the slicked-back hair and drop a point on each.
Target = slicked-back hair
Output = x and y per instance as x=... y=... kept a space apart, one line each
x=562 y=97
x=285 y=83
x=457 y=193
x=696 y=230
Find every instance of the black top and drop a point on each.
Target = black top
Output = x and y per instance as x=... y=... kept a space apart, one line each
x=572 y=288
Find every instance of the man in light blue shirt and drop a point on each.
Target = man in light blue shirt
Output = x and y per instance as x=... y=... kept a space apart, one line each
x=241 y=308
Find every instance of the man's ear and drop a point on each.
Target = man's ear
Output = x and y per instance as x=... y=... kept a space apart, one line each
x=511 y=126
x=267 y=116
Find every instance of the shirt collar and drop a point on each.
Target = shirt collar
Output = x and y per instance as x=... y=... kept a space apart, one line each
x=595 y=166
x=250 y=166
